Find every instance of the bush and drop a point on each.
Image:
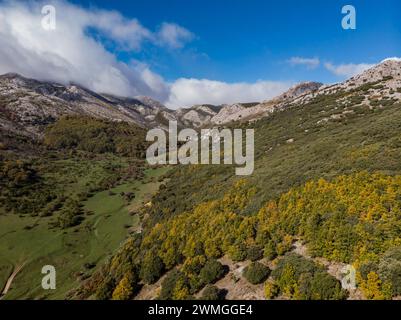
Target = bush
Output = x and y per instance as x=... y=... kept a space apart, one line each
x=271 y=290
x=269 y=251
x=126 y=287
x=256 y=273
x=105 y=289
x=210 y=293
x=390 y=269
x=152 y=268
x=254 y=253
x=299 y=278
x=70 y=215
x=237 y=252
x=211 y=272
x=175 y=286
x=325 y=287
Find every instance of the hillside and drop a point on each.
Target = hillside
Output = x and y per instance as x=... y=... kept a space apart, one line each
x=325 y=192
x=327 y=174
x=28 y=106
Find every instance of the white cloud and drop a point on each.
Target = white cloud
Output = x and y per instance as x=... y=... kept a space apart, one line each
x=347 y=70
x=310 y=63
x=75 y=52
x=174 y=35
x=71 y=54
x=187 y=92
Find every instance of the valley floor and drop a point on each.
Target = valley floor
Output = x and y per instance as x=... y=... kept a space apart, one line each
x=75 y=253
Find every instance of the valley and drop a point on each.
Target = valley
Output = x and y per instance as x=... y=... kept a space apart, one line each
x=75 y=253
x=325 y=192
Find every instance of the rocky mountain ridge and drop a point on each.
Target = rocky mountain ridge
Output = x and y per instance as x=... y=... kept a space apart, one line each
x=28 y=105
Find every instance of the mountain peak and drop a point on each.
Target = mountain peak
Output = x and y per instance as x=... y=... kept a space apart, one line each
x=297 y=90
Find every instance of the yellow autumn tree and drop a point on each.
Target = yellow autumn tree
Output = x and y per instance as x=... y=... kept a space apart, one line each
x=373 y=288
x=124 y=289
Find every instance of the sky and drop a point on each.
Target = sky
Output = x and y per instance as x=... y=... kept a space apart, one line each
x=185 y=52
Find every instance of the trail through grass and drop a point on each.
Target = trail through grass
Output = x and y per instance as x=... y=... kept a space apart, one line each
x=76 y=252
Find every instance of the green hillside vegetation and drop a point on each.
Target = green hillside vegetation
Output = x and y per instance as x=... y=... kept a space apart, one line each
x=68 y=205
x=327 y=173
x=333 y=182
x=96 y=135
x=301 y=279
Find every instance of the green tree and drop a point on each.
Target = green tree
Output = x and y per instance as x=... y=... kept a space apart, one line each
x=256 y=272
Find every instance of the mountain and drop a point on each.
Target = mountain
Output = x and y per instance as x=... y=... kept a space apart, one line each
x=325 y=195
x=208 y=115
x=28 y=105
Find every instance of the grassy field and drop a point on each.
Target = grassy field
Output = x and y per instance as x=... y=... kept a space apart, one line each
x=75 y=252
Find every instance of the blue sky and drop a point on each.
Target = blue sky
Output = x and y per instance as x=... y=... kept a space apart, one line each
x=185 y=52
x=239 y=40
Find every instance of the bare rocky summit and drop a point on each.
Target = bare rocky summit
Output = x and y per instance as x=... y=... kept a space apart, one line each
x=27 y=105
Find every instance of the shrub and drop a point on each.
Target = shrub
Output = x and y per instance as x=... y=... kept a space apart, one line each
x=105 y=290
x=256 y=273
x=210 y=293
x=237 y=252
x=151 y=268
x=175 y=286
x=271 y=290
x=126 y=287
x=299 y=278
x=325 y=287
x=254 y=253
x=211 y=272
x=269 y=251
x=389 y=269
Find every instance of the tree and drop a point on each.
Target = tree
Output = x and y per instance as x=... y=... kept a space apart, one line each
x=211 y=272
x=125 y=288
x=254 y=253
x=175 y=286
x=211 y=293
x=256 y=273
x=372 y=287
x=287 y=281
x=151 y=268
x=181 y=290
x=271 y=290
x=269 y=251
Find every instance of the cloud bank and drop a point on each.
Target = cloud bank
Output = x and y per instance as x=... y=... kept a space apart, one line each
x=347 y=70
x=194 y=91
x=76 y=52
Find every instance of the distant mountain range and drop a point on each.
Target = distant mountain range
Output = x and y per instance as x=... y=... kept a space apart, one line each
x=27 y=105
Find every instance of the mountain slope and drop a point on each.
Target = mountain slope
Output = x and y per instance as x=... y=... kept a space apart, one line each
x=327 y=171
x=27 y=105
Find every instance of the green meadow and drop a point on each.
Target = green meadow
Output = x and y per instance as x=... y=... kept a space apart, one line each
x=75 y=252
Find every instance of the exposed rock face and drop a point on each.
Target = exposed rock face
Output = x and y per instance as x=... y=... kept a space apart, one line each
x=298 y=90
x=27 y=105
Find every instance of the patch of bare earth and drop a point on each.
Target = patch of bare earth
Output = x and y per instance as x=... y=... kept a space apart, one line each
x=150 y=291
x=236 y=286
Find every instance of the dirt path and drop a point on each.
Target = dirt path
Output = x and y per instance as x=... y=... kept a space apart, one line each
x=10 y=279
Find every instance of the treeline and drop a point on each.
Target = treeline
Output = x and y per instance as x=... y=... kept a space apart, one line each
x=96 y=136
x=22 y=189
